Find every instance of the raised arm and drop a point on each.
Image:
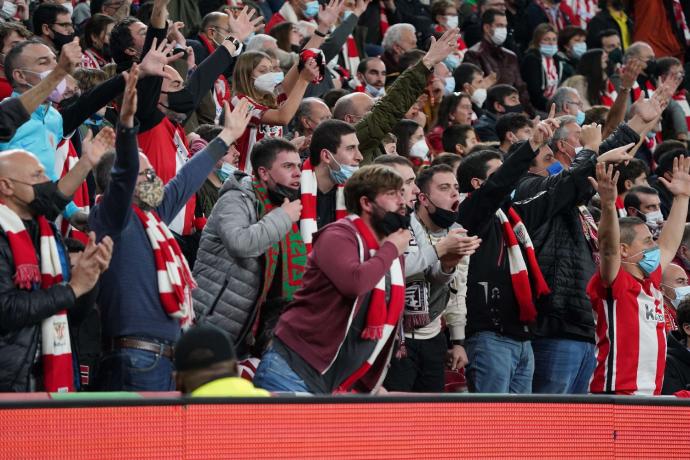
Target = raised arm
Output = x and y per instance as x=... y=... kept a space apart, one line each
x=93 y=149
x=609 y=231
x=672 y=233
x=286 y=112
x=617 y=113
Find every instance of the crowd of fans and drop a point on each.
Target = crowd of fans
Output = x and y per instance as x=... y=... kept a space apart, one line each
x=232 y=197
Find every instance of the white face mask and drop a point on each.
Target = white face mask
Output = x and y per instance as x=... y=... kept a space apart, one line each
x=681 y=293
x=268 y=81
x=9 y=8
x=479 y=96
x=499 y=36
x=420 y=149
x=652 y=219
x=452 y=21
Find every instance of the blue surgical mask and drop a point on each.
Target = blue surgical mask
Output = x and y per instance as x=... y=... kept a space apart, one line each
x=311 y=9
x=225 y=171
x=548 y=50
x=449 y=85
x=452 y=62
x=681 y=293
x=580 y=117
x=579 y=49
x=651 y=258
x=651 y=134
x=555 y=168
x=373 y=91
x=343 y=173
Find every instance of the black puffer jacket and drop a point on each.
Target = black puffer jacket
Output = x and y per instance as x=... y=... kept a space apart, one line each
x=21 y=314
x=549 y=208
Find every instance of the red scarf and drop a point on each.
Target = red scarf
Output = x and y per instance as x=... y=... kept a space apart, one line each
x=681 y=99
x=175 y=281
x=679 y=16
x=381 y=319
x=309 y=190
x=620 y=208
x=383 y=18
x=58 y=375
x=515 y=233
x=610 y=95
x=551 y=76
x=351 y=55
x=81 y=196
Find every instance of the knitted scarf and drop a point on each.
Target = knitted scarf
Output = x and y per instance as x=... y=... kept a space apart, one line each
x=682 y=24
x=515 y=233
x=175 y=281
x=620 y=208
x=309 y=189
x=81 y=196
x=290 y=251
x=590 y=231
x=58 y=374
x=381 y=319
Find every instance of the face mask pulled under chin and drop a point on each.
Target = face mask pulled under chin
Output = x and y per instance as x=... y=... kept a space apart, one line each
x=278 y=194
x=443 y=218
x=387 y=222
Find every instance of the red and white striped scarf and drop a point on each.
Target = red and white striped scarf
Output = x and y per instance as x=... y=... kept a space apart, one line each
x=559 y=21
x=351 y=55
x=309 y=190
x=610 y=94
x=681 y=98
x=515 y=234
x=81 y=196
x=175 y=281
x=679 y=16
x=56 y=349
x=383 y=18
x=551 y=74
x=620 y=208
x=382 y=319
x=584 y=11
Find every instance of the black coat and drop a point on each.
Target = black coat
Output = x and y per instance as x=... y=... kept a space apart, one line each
x=601 y=22
x=549 y=208
x=677 y=374
x=534 y=75
x=21 y=314
x=486 y=127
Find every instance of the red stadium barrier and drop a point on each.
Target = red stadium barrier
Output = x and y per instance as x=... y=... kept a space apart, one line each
x=347 y=428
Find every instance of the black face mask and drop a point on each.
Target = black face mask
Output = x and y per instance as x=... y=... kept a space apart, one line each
x=295 y=48
x=390 y=222
x=48 y=201
x=615 y=58
x=651 y=68
x=69 y=101
x=514 y=108
x=443 y=218
x=61 y=39
x=278 y=195
x=180 y=101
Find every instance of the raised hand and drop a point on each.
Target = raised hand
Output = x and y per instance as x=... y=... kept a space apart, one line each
x=630 y=72
x=330 y=13
x=22 y=10
x=235 y=122
x=129 y=97
x=244 y=24
x=544 y=130
x=590 y=137
x=93 y=148
x=605 y=183
x=617 y=155
x=175 y=33
x=680 y=183
x=154 y=62
x=441 y=48
x=70 y=56
x=91 y=263
x=648 y=110
x=311 y=71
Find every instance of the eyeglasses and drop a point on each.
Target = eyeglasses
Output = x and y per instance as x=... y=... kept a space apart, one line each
x=64 y=25
x=149 y=173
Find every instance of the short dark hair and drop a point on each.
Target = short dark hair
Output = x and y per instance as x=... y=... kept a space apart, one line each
x=627 y=227
x=369 y=181
x=103 y=170
x=404 y=130
x=498 y=93
x=426 y=175
x=392 y=160
x=475 y=165
x=46 y=13
x=332 y=96
x=632 y=200
x=327 y=135
x=568 y=33
x=266 y=150
x=448 y=105
x=121 y=39
x=664 y=64
x=510 y=123
x=630 y=171
x=14 y=55
x=665 y=163
x=606 y=33
x=450 y=159
x=683 y=316
x=596 y=114
x=464 y=73
x=95 y=25
x=364 y=63
x=667 y=146
x=6 y=29
x=454 y=135
x=489 y=15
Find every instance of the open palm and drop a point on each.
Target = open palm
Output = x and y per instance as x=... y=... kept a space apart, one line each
x=93 y=148
x=680 y=184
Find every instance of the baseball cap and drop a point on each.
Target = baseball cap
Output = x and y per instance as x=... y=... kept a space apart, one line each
x=201 y=347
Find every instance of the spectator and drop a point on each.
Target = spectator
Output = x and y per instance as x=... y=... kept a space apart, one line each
x=674 y=287
x=254 y=221
x=592 y=82
x=677 y=373
x=630 y=175
x=311 y=112
x=501 y=99
x=565 y=143
x=571 y=47
x=556 y=13
x=142 y=318
x=643 y=202
x=490 y=56
x=371 y=73
x=662 y=27
x=444 y=15
x=449 y=159
x=96 y=42
x=542 y=68
x=206 y=366
x=398 y=40
x=497 y=344
x=459 y=139
x=455 y=109
x=11 y=33
x=342 y=272
x=629 y=281
x=470 y=79
x=419 y=366
x=261 y=42
x=472 y=24
x=664 y=170
x=672 y=68
x=287 y=36
x=597 y=114
x=610 y=42
x=53 y=24
x=294 y=11
x=611 y=15
x=376 y=20
x=568 y=102
x=646 y=82
x=411 y=142
x=512 y=128
x=116 y=9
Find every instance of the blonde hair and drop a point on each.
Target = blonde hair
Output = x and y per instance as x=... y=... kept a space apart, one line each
x=243 y=81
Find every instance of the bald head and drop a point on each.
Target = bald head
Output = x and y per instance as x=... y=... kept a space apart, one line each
x=673 y=277
x=20 y=165
x=19 y=172
x=352 y=107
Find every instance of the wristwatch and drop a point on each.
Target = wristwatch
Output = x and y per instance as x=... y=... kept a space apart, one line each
x=236 y=43
x=458 y=342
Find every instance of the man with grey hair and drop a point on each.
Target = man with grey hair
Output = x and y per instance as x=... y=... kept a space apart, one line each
x=647 y=78
x=568 y=102
x=310 y=113
x=261 y=42
x=398 y=40
x=565 y=142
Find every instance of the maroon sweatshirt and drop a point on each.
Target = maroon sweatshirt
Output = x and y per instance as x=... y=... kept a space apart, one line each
x=315 y=323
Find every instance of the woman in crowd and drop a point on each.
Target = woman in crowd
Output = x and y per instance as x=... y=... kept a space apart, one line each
x=411 y=142
x=571 y=46
x=96 y=42
x=287 y=36
x=542 y=69
x=592 y=81
x=455 y=109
